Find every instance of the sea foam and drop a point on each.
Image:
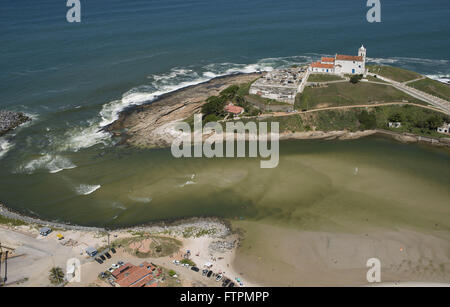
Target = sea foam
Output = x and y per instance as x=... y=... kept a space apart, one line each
x=85 y=189
x=51 y=163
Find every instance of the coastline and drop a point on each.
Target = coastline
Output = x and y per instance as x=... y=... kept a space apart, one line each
x=152 y=125
x=211 y=240
x=11 y=120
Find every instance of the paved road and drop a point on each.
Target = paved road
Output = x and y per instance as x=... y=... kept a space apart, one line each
x=433 y=100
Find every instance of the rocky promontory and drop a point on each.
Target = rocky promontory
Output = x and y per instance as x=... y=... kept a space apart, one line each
x=10 y=120
x=150 y=125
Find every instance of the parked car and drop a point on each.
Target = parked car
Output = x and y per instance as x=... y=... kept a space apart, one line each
x=204 y=272
x=108 y=255
x=219 y=277
x=99 y=260
x=120 y=263
x=111 y=269
x=102 y=257
x=176 y=262
x=115 y=266
x=195 y=269
x=113 y=250
x=209 y=274
x=231 y=284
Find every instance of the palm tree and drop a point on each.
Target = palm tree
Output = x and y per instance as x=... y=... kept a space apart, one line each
x=56 y=275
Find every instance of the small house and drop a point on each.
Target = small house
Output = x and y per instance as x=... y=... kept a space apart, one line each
x=444 y=129
x=394 y=124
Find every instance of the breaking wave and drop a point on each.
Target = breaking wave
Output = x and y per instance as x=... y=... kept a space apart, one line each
x=144 y=200
x=180 y=77
x=51 y=163
x=85 y=189
x=5 y=146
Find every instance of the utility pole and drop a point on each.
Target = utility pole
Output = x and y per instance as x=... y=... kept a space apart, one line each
x=6 y=267
x=1 y=258
x=107 y=232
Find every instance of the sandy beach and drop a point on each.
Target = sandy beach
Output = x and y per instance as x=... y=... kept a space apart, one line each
x=316 y=258
x=33 y=255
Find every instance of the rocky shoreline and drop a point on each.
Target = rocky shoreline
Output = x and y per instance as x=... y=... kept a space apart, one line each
x=10 y=120
x=189 y=227
x=152 y=125
x=147 y=125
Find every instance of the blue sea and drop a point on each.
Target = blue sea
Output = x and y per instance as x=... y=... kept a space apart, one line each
x=75 y=78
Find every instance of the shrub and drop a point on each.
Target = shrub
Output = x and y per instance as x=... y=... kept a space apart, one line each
x=355 y=78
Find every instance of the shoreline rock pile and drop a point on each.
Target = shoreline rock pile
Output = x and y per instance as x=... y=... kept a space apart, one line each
x=10 y=120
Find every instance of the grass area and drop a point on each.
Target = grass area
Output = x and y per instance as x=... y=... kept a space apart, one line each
x=393 y=73
x=346 y=93
x=323 y=78
x=158 y=247
x=414 y=120
x=374 y=79
x=255 y=98
x=188 y=261
x=432 y=87
x=11 y=222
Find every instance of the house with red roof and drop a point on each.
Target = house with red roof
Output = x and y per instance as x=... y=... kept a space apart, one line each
x=342 y=64
x=130 y=275
x=234 y=110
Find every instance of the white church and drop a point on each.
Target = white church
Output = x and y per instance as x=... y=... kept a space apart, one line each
x=342 y=64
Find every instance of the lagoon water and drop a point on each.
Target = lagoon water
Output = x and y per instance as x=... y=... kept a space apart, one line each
x=73 y=79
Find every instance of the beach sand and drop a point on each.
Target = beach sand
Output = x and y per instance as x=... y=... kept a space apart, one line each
x=279 y=256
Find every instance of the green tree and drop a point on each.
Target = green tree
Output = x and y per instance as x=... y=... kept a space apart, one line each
x=229 y=92
x=355 y=78
x=56 y=275
x=367 y=120
x=214 y=105
x=396 y=117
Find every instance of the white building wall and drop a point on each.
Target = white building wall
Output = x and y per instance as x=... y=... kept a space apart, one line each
x=350 y=67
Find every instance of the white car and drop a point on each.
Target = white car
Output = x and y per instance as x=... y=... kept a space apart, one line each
x=110 y=270
x=115 y=266
x=176 y=262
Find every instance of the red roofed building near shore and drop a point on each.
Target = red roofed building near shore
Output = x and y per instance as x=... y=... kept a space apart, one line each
x=130 y=275
x=322 y=67
x=342 y=64
x=235 y=110
x=326 y=60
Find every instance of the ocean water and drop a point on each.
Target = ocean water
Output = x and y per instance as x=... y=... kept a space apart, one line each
x=74 y=79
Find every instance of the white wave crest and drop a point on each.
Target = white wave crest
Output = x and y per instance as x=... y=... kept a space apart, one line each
x=144 y=200
x=189 y=182
x=177 y=78
x=5 y=146
x=85 y=189
x=52 y=163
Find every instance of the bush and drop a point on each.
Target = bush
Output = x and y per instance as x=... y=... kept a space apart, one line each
x=367 y=120
x=355 y=78
x=172 y=273
x=396 y=117
x=229 y=92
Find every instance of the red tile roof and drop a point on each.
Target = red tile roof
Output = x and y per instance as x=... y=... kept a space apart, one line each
x=231 y=108
x=320 y=65
x=326 y=59
x=342 y=57
x=134 y=276
x=145 y=282
x=123 y=268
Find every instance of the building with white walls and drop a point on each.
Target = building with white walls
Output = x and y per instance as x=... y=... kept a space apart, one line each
x=342 y=64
